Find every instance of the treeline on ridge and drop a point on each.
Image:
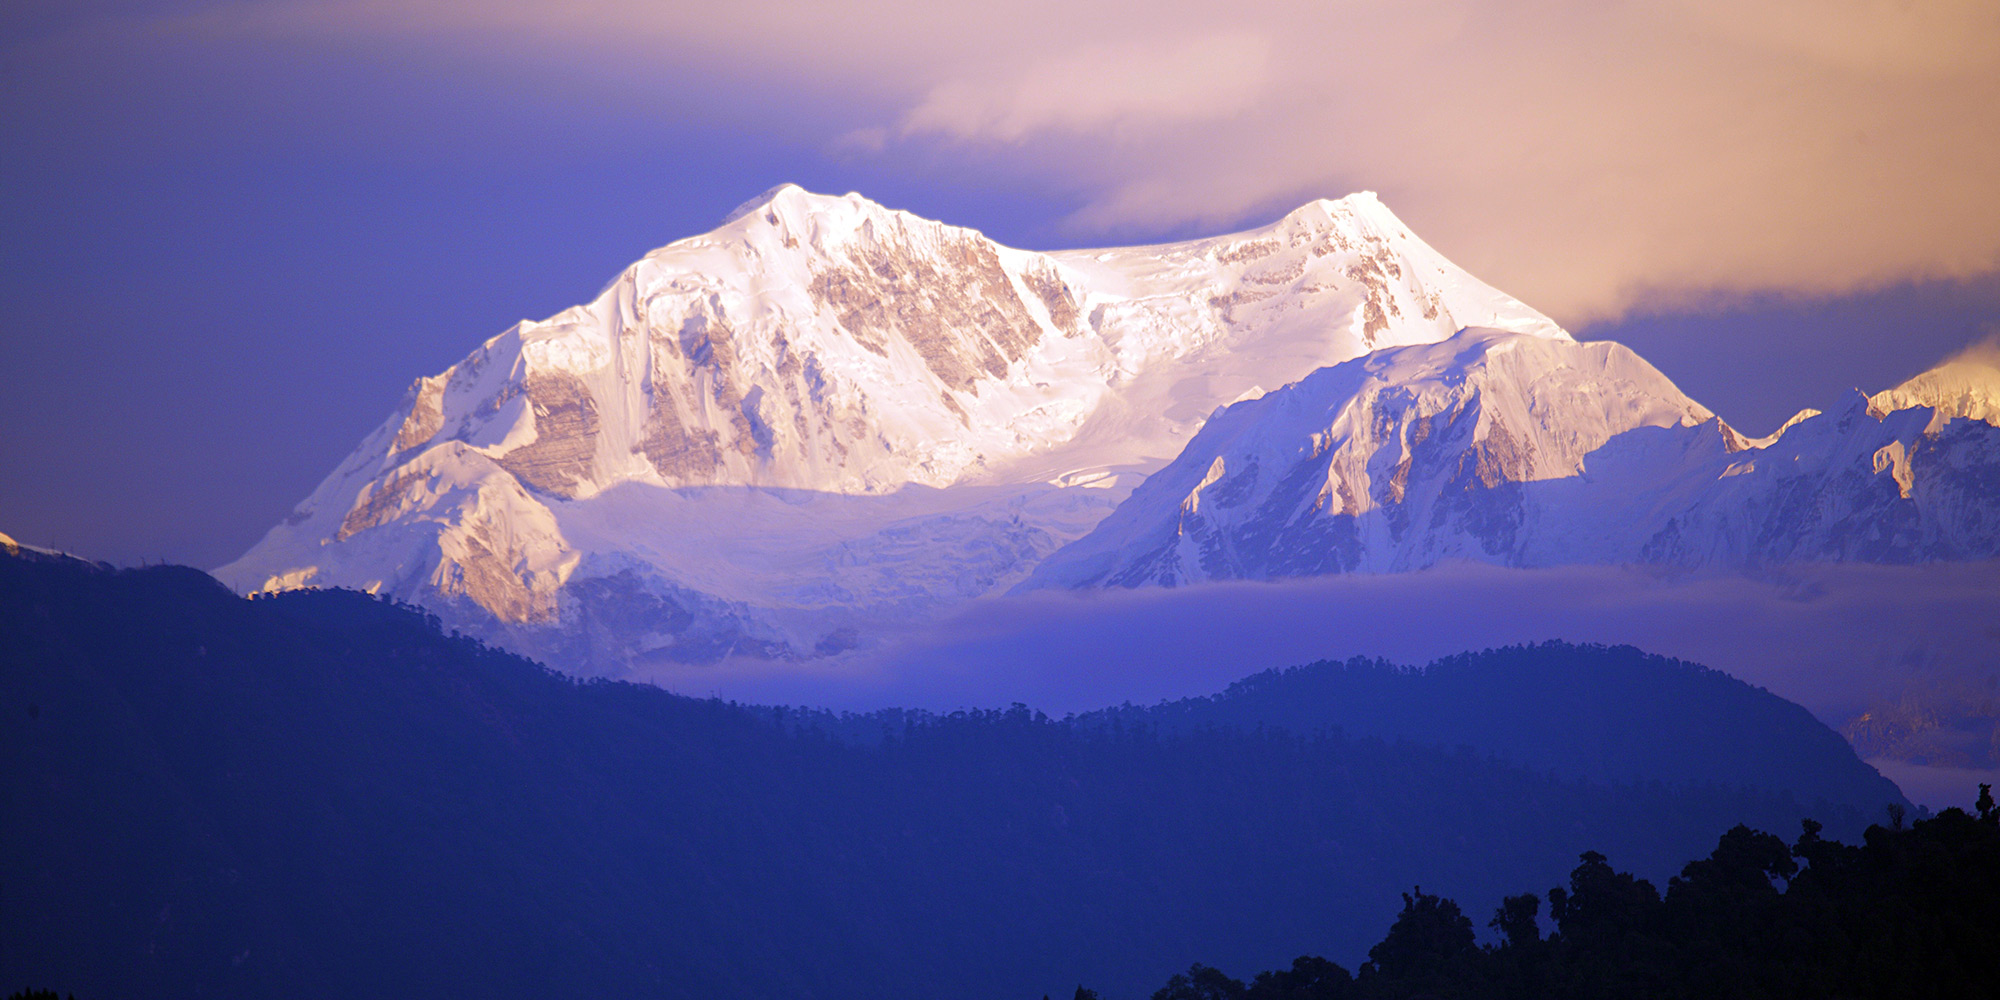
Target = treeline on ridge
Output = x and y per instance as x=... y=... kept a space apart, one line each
x=1912 y=912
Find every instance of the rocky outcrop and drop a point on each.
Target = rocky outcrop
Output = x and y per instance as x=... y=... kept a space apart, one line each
x=565 y=425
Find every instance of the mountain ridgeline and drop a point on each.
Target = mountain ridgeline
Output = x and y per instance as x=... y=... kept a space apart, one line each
x=733 y=445
x=1608 y=715
x=320 y=793
x=1524 y=451
x=824 y=418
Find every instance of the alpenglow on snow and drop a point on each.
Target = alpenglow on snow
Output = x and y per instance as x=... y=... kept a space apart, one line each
x=824 y=415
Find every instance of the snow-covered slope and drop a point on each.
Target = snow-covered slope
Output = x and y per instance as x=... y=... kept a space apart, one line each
x=1527 y=451
x=1967 y=385
x=825 y=410
x=826 y=416
x=1394 y=461
x=1908 y=475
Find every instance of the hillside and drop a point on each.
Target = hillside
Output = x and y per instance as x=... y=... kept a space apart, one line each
x=319 y=793
x=1603 y=714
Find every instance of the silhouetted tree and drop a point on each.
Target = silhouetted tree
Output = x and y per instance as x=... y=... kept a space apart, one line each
x=1601 y=904
x=1309 y=978
x=1515 y=920
x=1911 y=912
x=1429 y=935
x=1200 y=982
x=1744 y=864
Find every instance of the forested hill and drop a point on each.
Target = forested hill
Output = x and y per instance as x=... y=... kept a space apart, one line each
x=1611 y=714
x=321 y=795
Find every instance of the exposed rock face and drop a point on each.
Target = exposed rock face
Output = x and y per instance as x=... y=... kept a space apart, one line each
x=563 y=416
x=1525 y=451
x=383 y=502
x=825 y=411
x=426 y=415
x=957 y=309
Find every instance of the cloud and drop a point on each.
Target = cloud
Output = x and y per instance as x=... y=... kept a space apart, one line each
x=1587 y=156
x=1150 y=86
x=1835 y=638
x=1984 y=352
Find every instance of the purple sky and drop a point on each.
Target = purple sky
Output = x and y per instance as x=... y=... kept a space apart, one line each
x=233 y=232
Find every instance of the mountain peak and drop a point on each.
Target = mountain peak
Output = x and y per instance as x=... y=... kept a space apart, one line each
x=1362 y=205
x=788 y=200
x=767 y=199
x=1966 y=384
x=838 y=349
x=1397 y=460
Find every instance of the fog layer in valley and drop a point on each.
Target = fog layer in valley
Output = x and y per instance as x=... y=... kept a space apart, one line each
x=1919 y=644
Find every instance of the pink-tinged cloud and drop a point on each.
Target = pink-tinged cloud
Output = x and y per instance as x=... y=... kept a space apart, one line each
x=1141 y=86
x=1585 y=155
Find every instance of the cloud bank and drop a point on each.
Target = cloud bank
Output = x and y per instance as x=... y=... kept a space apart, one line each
x=1839 y=639
x=1586 y=156
x=1835 y=638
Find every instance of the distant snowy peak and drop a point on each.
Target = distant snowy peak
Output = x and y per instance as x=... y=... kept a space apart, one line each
x=1326 y=225
x=1966 y=386
x=811 y=342
x=826 y=415
x=1524 y=451
x=831 y=349
x=767 y=200
x=832 y=344
x=1394 y=461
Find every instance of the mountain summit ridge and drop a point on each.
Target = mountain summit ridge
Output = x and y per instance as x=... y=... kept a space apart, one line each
x=1394 y=461
x=1964 y=385
x=825 y=418
x=841 y=350
x=1415 y=456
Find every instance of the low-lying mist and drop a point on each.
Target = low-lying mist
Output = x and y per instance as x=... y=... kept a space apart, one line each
x=1840 y=639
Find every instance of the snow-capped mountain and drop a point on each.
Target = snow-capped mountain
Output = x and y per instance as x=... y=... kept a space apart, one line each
x=1967 y=385
x=826 y=416
x=825 y=410
x=1907 y=475
x=1529 y=451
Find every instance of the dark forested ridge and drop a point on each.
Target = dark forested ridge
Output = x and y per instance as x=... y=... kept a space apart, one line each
x=1605 y=713
x=319 y=794
x=1910 y=912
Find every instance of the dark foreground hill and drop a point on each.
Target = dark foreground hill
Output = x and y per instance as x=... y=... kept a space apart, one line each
x=1611 y=714
x=1910 y=912
x=321 y=795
